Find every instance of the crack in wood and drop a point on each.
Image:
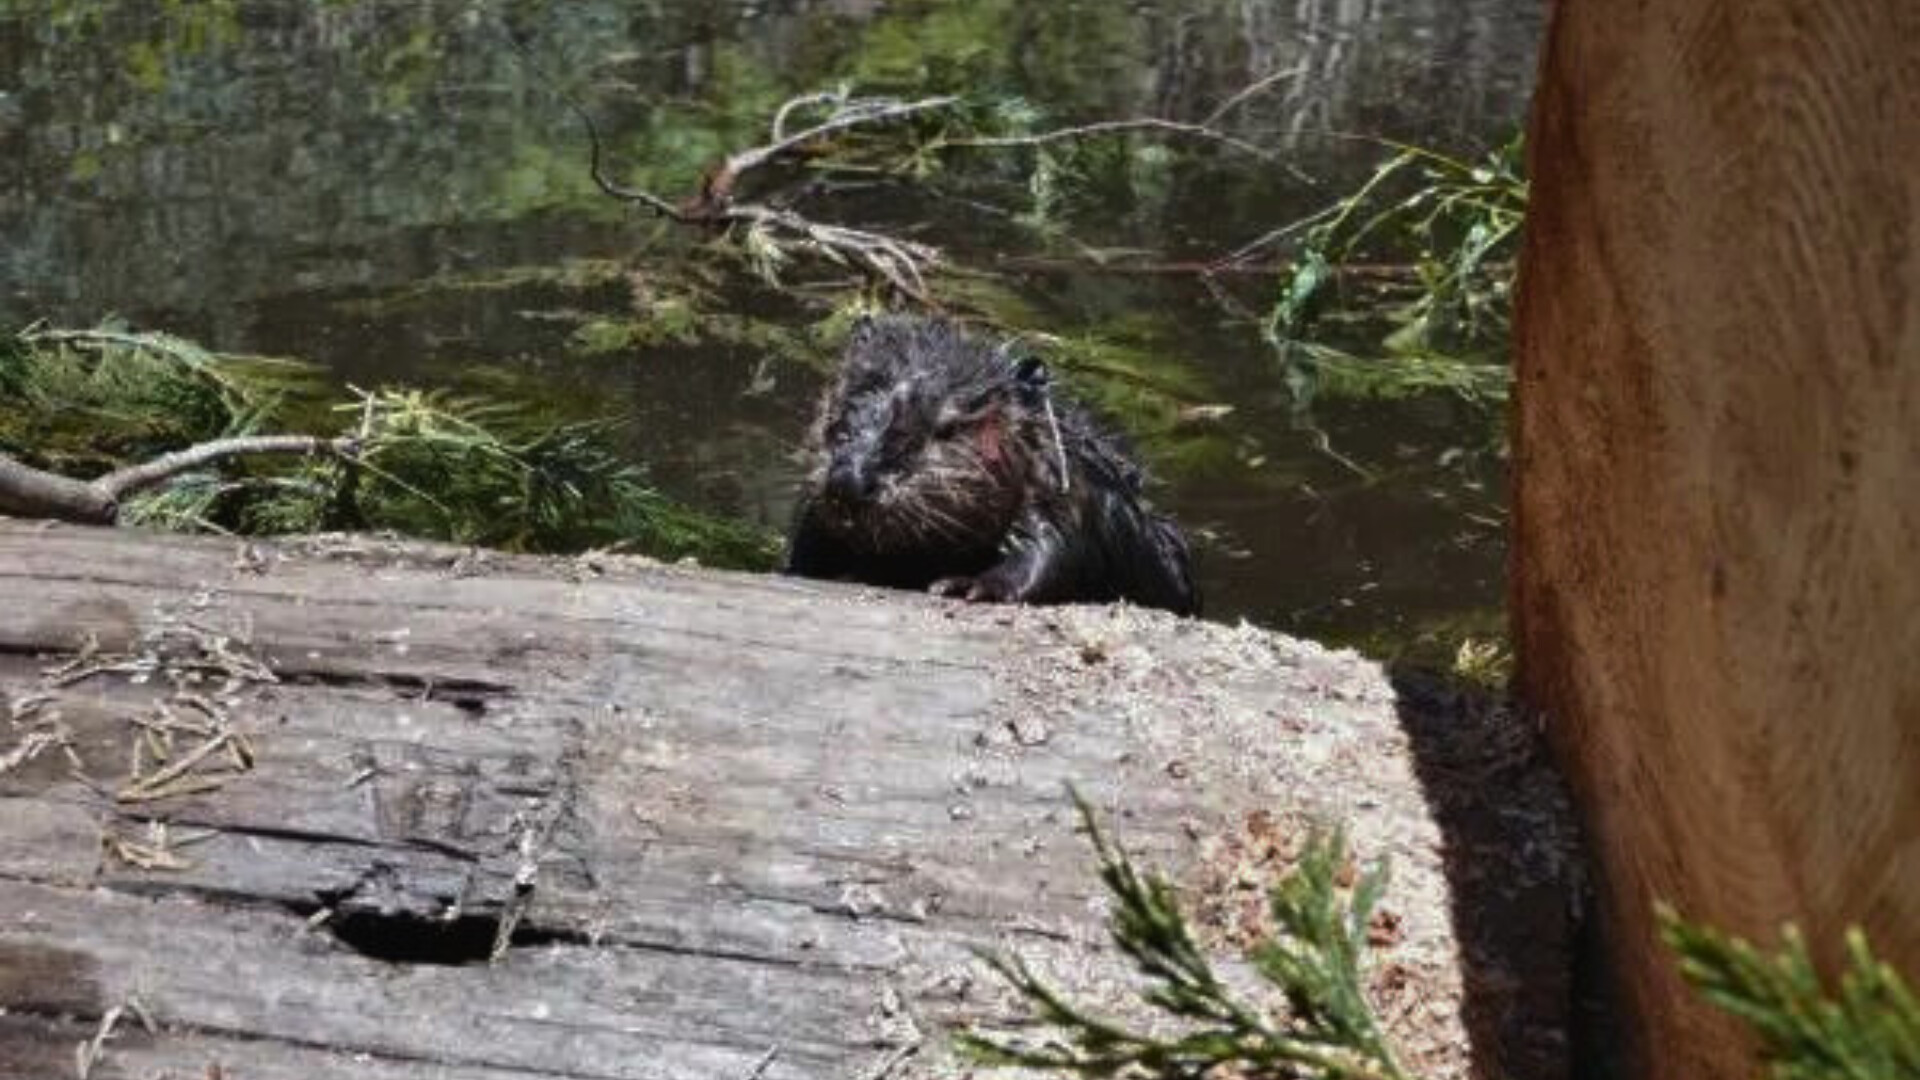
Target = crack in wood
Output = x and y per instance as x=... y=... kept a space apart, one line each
x=470 y=695
x=81 y=1023
x=709 y=803
x=626 y=624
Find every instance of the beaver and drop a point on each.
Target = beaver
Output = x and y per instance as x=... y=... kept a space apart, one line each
x=941 y=463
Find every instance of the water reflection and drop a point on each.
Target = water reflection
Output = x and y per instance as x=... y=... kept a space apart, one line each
x=283 y=177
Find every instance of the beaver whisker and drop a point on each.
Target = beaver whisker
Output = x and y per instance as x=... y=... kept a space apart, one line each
x=946 y=524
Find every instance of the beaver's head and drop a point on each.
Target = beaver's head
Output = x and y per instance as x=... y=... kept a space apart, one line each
x=925 y=437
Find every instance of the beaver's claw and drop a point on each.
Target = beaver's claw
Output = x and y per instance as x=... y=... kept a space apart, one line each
x=986 y=588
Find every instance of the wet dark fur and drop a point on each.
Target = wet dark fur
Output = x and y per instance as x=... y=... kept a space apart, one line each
x=936 y=466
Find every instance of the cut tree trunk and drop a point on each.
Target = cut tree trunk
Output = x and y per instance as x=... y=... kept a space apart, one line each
x=427 y=812
x=1718 y=475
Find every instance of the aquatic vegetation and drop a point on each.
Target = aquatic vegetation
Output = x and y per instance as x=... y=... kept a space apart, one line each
x=424 y=464
x=1445 y=294
x=1457 y=225
x=1439 y=293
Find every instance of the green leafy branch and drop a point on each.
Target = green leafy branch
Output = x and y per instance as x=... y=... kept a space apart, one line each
x=1456 y=223
x=1869 y=1030
x=169 y=434
x=1315 y=960
x=1440 y=231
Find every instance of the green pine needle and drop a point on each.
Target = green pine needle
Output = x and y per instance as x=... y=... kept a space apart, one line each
x=429 y=465
x=1866 y=1029
x=1869 y=1030
x=1315 y=963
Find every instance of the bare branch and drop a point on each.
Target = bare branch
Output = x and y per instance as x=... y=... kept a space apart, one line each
x=778 y=130
x=596 y=168
x=859 y=112
x=901 y=263
x=594 y=164
x=29 y=492
x=1173 y=268
x=1253 y=90
x=1181 y=128
x=136 y=478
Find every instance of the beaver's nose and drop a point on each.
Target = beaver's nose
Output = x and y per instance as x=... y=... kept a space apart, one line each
x=849 y=481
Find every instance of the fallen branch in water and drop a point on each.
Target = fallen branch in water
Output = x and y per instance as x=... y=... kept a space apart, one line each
x=29 y=492
x=1160 y=125
x=772 y=227
x=1194 y=268
x=901 y=263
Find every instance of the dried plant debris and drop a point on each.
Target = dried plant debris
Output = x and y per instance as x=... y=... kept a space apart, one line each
x=36 y=737
x=89 y=1053
x=186 y=743
x=184 y=650
x=155 y=847
x=187 y=740
x=39 y=727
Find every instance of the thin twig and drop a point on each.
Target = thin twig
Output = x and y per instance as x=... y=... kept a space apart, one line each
x=89 y=1053
x=1252 y=90
x=1192 y=268
x=142 y=788
x=857 y=113
x=761 y=1066
x=1162 y=125
x=778 y=129
x=893 y=1060
x=902 y=263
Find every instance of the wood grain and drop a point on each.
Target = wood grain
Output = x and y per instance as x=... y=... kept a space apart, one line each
x=1718 y=473
x=720 y=815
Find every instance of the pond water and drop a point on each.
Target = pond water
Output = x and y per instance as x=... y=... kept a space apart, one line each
x=397 y=192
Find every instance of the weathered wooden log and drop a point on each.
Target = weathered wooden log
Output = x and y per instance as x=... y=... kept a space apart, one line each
x=1718 y=474
x=351 y=808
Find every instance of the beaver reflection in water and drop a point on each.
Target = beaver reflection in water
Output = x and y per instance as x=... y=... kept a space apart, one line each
x=942 y=464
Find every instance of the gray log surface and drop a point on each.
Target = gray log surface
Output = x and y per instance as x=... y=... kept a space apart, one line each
x=736 y=826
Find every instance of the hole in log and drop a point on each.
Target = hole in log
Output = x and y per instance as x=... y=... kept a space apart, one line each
x=402 y=938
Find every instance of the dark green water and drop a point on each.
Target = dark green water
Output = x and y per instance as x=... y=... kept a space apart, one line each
x=390 y=190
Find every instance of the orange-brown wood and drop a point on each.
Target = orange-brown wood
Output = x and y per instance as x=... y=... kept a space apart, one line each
x=1718 y=473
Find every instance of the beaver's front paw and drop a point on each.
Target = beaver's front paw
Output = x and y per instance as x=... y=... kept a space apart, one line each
x=988 y=588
